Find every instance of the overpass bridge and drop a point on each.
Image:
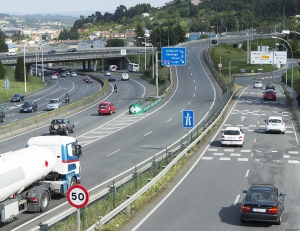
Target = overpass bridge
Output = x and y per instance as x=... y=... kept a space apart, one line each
x=108 y=56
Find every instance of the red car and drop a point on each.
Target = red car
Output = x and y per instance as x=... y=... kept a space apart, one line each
x=106 y=108
x=89 y=80
x=269 y=94
x=55 y=72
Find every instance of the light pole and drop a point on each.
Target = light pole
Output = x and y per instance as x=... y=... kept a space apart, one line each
x=43 y=62
x=110 y=42
x=145 y=51
x=24 y=69
x=292 y=57
x=139 y=51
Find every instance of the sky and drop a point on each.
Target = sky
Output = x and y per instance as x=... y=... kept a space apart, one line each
x=22 y=7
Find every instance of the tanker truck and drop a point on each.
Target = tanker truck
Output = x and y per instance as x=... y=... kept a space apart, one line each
x=30 y=176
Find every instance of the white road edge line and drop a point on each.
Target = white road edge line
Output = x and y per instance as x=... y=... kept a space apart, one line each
x=113 y=152
x=236 y=200
x=247 y=173
x=295 y=134
x=190 y=170
x=147 y=133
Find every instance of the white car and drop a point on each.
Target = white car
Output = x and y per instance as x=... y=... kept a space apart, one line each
x=124 y=76
x=107 y=73
x=73 y=74
x=275 y=124
x=11 y=54
x=232 y=136
x=257 y=84
x=53 y=76
x=54 y=104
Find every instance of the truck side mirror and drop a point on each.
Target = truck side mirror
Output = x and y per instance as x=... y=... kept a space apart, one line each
x=78 y=150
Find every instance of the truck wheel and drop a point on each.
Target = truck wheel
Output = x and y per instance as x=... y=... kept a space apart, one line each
x=44 y=201
x=73 y=181
x=3 y=119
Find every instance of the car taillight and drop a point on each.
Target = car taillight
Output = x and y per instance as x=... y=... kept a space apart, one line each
x=246 y=209
x=34 y=199
x=267 y=122
x=282 y=123
x=223 y=136
x=273 y=210
x=240 y=137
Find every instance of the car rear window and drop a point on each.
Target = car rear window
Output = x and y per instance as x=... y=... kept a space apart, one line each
x=276 y=121
x=259 y=196
x=102 y=105
x=231 y=132
x=57 y=121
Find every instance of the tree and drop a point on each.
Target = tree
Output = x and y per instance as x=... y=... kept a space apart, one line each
x=19 y=71
x=115 y=43
x=3 y=45
x=139 y=31
x=2 y=71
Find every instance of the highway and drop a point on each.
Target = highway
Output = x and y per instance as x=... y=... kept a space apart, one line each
x=208 y=193
x=54 y=88
x=113 y=144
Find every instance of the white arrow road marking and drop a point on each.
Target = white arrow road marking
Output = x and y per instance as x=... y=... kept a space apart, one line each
x=243 y=117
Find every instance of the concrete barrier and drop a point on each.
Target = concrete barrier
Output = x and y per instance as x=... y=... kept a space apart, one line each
x=44 y=119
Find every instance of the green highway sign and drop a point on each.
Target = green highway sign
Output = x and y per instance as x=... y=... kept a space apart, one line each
x=135 y=109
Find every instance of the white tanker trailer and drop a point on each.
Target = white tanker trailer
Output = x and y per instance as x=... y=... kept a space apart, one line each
x=29 y=176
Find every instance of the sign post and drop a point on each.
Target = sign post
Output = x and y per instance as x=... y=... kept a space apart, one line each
x=78 y=197
x=188 y=121
x=6 y=86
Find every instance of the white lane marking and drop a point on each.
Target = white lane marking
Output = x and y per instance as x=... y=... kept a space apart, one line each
x=189 y=103
x=294 y=161
x=228 y=150
x=247 y=173
x=236 y=200
x=294 y=152
x=254 y=140
x=195 y=88
x=194 y=95
x=242 y=159
x=252 y=125
x=245 y=150
x=289 y=131
x=224 y=158
x=207 y=158
x=235 y=154
x=113 y=152
x=218 y=154
x=295 y=134
x=274 y=151
x=212 y=149
x=14 y=120
x=286 y=156
x=147 y=133
x=169 y=120
x=229 y=125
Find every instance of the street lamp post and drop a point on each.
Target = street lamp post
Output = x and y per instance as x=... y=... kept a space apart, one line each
x=145 y=51
x=43 y=63
x=139 y=51
x=292 y=57
x=24 y=70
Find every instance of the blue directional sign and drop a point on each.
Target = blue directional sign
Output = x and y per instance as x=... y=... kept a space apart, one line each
x=188 y=118
x=173 y=56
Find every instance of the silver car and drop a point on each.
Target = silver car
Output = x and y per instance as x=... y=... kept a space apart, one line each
x=257 y=84
x=54 y=104
x=275 y=124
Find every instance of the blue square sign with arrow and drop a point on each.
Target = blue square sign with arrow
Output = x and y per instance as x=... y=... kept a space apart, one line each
x=173 y=56
x=188 y=118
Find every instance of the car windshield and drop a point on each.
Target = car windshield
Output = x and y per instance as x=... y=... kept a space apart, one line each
x=260 y=196
x=269 y=92
x=257 y=82
x=26 y=103
x=16 y=95
x=275 y=121
x=54 y=101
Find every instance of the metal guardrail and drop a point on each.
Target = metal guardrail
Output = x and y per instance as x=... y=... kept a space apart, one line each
x=182 y=153
x=177 y=150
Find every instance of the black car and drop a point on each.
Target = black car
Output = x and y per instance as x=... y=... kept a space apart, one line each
x=214 y=41
x=17 y=98
x=61 y=125
x=29 y=106
x=2 y=115
x=111 y=78
x=52 y=51
x=270 y=86
x=263 y=202
x=72 y=50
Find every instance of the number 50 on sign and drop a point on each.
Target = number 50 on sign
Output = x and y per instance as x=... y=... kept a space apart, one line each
x=78 y=196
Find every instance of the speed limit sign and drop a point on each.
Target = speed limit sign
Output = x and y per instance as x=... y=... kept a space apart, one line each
x=220 y=65
x=78 y=196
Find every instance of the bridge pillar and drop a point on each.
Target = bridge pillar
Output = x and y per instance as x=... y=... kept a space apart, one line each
x=28 y=68
x=89 y=64
x=83 y=65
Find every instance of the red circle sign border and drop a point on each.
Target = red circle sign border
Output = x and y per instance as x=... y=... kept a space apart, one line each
x=220 y=65
x=85 y=192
